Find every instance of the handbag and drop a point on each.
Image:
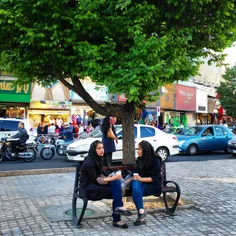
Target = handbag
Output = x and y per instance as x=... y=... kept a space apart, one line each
x=110 y=134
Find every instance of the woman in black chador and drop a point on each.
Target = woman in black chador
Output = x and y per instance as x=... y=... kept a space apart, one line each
x=99 y=186
x=147 y=180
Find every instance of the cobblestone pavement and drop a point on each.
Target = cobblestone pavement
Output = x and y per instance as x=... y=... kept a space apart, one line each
x=211 y=185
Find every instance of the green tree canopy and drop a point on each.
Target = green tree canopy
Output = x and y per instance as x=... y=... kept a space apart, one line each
x=132 y=46
x=227 y=91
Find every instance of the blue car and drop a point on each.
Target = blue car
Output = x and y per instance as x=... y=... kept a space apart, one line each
x=204 y=138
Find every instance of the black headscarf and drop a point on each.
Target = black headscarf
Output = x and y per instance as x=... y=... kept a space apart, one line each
x=92 y=154
x=105 y=125
x=145 y=161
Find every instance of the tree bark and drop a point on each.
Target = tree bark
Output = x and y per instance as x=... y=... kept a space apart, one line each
x=127 y=119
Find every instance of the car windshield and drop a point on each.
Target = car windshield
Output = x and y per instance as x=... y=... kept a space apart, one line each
x=97 y=133
x=193 y=131
x=170 y=130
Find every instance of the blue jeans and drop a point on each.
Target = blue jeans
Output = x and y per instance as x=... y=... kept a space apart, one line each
x=116 y=191
x=138 y=190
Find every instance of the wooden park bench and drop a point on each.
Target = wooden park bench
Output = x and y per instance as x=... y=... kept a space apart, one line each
x=167 y=187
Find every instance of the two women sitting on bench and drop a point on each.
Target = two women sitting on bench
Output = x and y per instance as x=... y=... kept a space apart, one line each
x=146 y=181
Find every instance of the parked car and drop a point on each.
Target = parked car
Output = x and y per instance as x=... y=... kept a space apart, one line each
x=164 y=144
x=175 y=130
x=204 y=138
x=62 y=148
x=233 y=130
x=232 y=146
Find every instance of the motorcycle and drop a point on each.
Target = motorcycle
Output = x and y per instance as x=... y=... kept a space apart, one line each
x=26 y=152
x=46 y=146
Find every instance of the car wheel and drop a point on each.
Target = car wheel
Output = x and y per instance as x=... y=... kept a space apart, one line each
x=163 y=153
x=192 y=149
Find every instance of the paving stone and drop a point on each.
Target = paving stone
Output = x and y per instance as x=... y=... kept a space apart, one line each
x=211 y=186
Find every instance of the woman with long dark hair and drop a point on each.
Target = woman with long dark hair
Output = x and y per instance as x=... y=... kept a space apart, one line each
x=147 y=179
x=99 y=186
x=109 y=145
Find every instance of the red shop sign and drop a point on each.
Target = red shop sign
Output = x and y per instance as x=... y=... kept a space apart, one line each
x=185 y=98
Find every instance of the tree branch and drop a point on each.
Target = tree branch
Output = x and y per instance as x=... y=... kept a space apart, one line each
x=63 y=81
x=108 y=109
x=77 y=87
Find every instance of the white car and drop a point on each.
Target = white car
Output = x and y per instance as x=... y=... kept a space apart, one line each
x=164 y=144
x=9 y=127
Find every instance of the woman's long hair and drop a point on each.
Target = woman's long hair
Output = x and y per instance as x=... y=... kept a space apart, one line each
x=92 y=154
x=145 y=161
x=105 y=125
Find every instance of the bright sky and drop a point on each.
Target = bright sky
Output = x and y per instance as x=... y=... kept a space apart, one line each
x=231 y=58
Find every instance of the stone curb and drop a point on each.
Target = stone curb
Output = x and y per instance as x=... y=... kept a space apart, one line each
x=36 y=171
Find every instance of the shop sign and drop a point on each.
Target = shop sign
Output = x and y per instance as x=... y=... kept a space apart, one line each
x=202 y=101
x=118 y=97
x=10 y=92
x=185 y=98
x=98 y=93
x=48 y=112
x=50 y=104
x=168 y=99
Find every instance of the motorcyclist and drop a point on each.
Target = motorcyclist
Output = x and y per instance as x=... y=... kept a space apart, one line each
x=67 y=134
x=21 y=136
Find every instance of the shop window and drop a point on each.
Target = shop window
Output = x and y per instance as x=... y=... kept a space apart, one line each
x=147 y=132
x=201 y=108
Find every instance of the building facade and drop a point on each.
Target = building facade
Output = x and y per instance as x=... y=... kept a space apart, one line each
x=14 y=99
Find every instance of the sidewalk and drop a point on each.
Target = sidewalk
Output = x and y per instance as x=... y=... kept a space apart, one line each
x=28 y=204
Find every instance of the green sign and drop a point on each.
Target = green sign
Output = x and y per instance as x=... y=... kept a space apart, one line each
x=9 y=92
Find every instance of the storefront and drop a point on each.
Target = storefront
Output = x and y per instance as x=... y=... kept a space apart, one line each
x=167 y=104
x=212 y=115
x=48 y=112
x=14 y=99
x=202 y=107
x=186 y=104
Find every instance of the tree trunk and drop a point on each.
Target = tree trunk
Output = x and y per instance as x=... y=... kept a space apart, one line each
x=127 y=119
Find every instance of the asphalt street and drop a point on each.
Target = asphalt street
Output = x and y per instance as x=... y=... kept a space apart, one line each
x=61 y=161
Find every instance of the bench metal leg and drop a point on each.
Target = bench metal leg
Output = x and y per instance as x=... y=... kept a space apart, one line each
x=77 y=222
x=171 y=210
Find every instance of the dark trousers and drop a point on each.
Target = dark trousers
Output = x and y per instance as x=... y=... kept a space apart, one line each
x=14 y=144
x=116 y=191
x=107 y=159
x=112 y=190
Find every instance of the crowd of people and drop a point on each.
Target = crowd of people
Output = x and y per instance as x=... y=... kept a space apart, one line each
x=68 y=131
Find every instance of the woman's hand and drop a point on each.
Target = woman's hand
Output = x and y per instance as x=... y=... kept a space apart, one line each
x=113 y=178
x=117 y=177
x=137 y=177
